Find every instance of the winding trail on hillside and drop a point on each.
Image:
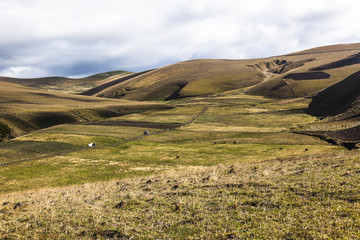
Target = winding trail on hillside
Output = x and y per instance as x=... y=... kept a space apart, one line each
x=288 y=85
x=61 y=153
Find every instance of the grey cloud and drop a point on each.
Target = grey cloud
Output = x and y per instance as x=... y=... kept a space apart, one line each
x=66 y=37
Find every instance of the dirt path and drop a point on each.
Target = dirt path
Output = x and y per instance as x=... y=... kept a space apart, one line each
x=61 y=153
x=288 y=85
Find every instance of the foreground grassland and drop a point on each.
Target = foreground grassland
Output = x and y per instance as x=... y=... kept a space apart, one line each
x=313 y=197
x=224 y=167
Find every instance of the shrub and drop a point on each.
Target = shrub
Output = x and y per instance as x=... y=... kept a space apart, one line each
x=4 y=130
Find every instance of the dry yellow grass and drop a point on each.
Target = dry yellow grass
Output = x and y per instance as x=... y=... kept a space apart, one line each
x=232 y=171
x=295 y=198
x=26 y=109
x=66 y=85
x=266 y=76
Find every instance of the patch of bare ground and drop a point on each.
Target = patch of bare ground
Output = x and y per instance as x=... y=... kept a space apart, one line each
x=295 y=198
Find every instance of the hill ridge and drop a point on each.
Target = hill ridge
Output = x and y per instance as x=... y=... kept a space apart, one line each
x=296 y=74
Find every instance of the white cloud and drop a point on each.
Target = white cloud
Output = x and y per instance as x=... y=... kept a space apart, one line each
x=72 y=37
x=23 y=72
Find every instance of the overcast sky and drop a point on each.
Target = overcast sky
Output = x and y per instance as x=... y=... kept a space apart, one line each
x=82 y=37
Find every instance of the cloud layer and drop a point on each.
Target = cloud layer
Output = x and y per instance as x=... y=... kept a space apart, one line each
x=81 y=37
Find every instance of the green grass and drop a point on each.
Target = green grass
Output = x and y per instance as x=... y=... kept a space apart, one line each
x=234 y=129
x=236 y=171
x=313 y=197
x=180 y=114
x=4 y=130
x=282 y=186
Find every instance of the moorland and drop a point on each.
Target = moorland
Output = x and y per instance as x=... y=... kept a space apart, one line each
x=201 y=149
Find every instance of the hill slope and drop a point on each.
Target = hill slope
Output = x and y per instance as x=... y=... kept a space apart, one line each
x=339 y=101
x=25 y=109
x=294 y=75
x=63 y=84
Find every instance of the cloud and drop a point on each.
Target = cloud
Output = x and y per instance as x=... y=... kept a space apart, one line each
x=23 y=72
x=66 y=37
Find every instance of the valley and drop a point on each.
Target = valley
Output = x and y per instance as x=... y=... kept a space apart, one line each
x=253 y=147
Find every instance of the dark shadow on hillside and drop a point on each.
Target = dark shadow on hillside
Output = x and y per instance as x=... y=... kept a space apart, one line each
x=277 y=112
x=21 y=151
x=136 y=124
x=351 y=60
x=337 y=99
x=48 y=119
x=102 y=87
x=308 y=76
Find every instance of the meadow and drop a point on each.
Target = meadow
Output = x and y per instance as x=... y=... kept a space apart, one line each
x=230 y=130
x=217 y=167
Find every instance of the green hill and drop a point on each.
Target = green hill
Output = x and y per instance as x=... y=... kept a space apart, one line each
x=63 y=84
x=238 y=152
x=26 y=109
x=293 y=75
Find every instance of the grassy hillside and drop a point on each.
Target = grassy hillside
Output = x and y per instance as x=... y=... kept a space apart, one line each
x=339 y=100
x=338 y=106
x=293 y=75
x=185 y=79
x=232 y=160
x=207 y=131
x=26 y=109
x=65 y=85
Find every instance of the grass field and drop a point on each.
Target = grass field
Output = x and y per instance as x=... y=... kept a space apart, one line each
x=225 y=166
x=230 y=170
x=232 y=130
x=308 y=197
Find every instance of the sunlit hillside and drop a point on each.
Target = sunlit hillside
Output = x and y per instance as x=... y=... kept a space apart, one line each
x=202 y=149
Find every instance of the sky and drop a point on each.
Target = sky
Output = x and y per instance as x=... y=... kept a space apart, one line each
x=76 y=38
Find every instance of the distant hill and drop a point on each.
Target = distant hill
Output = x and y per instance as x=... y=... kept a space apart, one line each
x=329 y=74
x=63 y=84
x=25 y=109
x=293 y=75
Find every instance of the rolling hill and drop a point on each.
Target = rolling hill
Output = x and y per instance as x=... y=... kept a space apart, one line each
x=63 y=84
x=293 y=75
x=26 y=109
x=243 y=159
x=339 y=105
